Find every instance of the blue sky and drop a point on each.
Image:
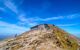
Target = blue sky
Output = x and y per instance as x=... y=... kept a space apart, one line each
x=17 y=16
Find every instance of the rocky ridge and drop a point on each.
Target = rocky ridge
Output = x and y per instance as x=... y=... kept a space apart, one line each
x=42 y=37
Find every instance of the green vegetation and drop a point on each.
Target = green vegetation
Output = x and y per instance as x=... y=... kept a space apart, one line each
x=65 y=40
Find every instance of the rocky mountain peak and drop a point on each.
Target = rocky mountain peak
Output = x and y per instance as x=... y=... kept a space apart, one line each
x=42 y=26
x=42 y=37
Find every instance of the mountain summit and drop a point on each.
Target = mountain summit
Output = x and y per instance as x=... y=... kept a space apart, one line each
x=42 y=37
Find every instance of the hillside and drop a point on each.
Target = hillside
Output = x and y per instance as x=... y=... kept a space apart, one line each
x=42 y=37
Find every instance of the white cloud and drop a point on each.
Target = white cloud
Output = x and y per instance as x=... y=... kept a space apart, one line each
x=48 y=19
x=29 y=21
x=57 y=18
x=7 y=28
x=23 y=20
x=53 y=18
x=34 y=20
x=67 y=24
x=11 y=6
x=73 y=16
x=21 y=16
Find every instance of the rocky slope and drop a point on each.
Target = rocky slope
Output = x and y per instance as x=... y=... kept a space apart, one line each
x=42 y=37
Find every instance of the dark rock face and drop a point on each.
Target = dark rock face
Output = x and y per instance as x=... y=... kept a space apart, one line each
x=42 y=37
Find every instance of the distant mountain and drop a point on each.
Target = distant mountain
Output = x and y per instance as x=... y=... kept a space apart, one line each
x=42 y=37
x=4 y=37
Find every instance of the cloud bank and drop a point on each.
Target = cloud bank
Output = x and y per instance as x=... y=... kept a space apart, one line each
x=8 y=28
